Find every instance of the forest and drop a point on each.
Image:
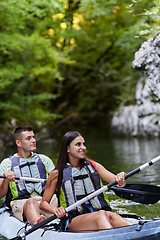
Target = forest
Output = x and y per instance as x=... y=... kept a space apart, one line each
x=69 y=60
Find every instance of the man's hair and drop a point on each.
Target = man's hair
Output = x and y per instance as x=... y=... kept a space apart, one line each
x=19 y=130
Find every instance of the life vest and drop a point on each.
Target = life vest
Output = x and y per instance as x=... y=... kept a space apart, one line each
x=33 y=168
x=77 y=184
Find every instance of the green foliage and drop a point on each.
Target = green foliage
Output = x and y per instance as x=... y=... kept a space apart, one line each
x=102 y=76
x=59 y=56
x=149 y=12
x=98 y=8
x=29 y=62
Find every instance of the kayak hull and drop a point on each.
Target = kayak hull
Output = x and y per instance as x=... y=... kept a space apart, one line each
x=10 y=227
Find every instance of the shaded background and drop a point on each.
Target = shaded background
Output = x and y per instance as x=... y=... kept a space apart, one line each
x=69 y=60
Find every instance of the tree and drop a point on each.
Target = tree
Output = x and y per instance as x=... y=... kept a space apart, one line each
x=63 y=56
x=103 y=35
x=29 y=62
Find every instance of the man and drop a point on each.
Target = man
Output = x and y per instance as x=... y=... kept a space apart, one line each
x=24 y=197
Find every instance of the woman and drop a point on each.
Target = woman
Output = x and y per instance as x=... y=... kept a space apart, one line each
x=74 y=178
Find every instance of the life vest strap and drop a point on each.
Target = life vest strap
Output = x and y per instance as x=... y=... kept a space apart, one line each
x=80 y=177
x=27 y=164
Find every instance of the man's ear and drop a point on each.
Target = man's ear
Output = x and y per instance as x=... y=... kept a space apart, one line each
x=18 y=143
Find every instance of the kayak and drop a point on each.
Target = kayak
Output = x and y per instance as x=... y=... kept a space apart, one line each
x=14 y=229
x=10 y=227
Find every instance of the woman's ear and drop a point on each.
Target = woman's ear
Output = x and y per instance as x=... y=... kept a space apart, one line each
x=68 y=149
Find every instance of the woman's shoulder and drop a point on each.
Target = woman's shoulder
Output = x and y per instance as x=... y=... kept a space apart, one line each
x=54 y=172
x=93 y=163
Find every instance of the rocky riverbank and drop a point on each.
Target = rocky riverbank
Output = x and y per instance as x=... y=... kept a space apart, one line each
x=143 y=119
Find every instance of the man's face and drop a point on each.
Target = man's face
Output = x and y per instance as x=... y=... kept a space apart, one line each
x=27 y=141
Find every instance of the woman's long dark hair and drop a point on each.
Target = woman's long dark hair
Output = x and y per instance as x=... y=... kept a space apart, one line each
x=63 y=157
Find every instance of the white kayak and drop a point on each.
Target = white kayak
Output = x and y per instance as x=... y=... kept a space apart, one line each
x=11 y=227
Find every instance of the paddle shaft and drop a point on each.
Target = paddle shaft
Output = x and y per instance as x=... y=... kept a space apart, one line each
x=27 y=179
x=73 y=206
x=36 y=180
x=108 y=186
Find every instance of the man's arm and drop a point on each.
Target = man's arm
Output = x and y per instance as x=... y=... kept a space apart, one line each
x=4 y=182
x=3 y=187
x=5 y=169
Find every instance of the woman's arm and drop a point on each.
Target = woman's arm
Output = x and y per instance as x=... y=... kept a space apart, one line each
x=48 y=193
x=110 y=177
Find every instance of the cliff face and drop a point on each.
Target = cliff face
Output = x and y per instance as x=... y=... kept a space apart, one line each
x=144 y=117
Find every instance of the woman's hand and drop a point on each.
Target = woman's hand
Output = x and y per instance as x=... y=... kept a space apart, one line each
x=59 y=212
x=120 y=179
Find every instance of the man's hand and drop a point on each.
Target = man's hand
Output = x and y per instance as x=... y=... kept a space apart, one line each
x=10 y=177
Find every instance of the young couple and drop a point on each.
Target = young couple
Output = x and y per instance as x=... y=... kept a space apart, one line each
x=74 y=177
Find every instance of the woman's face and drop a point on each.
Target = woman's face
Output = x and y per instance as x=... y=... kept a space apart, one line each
x=77 y=148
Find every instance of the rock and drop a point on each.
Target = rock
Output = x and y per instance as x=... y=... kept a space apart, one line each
x=144 y=117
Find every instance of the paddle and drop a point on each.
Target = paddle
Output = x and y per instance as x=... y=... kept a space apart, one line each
x=27 y=179
x=141 y=193
x=73 y=206
x=138 y=192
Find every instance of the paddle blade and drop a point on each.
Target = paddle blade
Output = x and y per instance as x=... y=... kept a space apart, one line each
x=141 y=193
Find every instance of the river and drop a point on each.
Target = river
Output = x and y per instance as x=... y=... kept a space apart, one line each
x=116 y=154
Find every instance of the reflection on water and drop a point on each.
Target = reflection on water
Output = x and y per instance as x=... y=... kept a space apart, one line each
x=125 y=154
x=135 y=152
x=116 y=154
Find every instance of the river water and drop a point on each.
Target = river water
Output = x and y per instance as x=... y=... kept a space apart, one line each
x=116 y=154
